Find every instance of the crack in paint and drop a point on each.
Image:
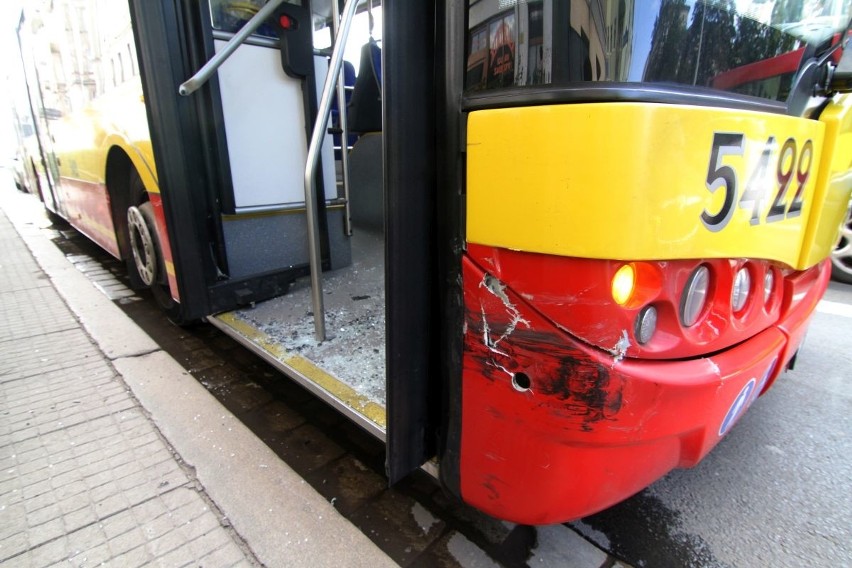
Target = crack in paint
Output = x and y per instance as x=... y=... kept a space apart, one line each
x=621 y=347
x=486 y=335
x=498 y=289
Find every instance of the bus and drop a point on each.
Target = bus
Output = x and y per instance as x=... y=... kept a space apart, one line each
x=549 y=261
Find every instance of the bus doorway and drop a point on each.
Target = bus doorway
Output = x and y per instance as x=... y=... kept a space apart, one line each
x=375 y=245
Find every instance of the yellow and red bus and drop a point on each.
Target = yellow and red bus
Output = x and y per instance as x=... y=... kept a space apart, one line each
x=561 y=257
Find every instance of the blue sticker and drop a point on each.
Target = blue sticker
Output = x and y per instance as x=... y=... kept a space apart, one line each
x=737 y=408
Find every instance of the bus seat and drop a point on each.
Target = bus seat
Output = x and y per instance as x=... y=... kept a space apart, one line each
x=366 y=182
x=348 y=83
x=365 y=107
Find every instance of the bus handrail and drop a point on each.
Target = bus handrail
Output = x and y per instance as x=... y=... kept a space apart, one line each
x=343 y=122
x=320 y=125
x=203 y=75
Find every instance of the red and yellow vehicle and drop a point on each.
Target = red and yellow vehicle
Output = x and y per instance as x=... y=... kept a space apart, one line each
x=564 y=256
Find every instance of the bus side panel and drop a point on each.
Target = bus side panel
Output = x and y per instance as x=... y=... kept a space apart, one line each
x=92 y=119
x=87 y=209
x=834 y=183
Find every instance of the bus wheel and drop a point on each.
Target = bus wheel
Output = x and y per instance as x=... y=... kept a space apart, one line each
x=148 y=263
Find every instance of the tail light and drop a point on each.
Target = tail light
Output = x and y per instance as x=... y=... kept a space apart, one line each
x=656 y=309
x=694 y=296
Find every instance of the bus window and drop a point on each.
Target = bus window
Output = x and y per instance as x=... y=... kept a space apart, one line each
x=683 y=42
x=229 y=16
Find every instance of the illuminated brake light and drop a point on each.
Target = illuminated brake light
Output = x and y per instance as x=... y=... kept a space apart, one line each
x=623 y=284
x=694 y=296
x=741 y=289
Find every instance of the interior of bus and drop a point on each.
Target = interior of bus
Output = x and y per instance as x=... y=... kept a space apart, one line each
x=347 y=368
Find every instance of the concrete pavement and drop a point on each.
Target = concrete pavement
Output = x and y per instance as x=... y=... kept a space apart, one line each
x=110 y=453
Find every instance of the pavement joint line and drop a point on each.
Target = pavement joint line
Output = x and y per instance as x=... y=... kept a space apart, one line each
x=39 y=374
x=36 y=334
x=75 y=424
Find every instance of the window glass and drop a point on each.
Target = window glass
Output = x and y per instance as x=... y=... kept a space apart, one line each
x=231 y=15
x=752 y=47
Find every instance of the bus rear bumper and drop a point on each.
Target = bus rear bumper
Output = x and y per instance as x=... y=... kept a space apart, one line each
x=553 y=429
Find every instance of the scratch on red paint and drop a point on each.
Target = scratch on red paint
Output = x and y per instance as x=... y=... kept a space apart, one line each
x=564 y=379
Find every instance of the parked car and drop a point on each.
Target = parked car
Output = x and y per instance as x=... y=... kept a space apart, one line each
x=841 y=258
x=20 y=173
x=27 y=150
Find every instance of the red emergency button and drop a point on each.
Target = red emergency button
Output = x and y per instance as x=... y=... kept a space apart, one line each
x=287 y=22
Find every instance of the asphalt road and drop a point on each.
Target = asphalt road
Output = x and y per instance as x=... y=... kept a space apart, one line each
x=777 y=491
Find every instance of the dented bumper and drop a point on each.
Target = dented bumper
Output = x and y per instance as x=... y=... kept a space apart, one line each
x=554 y=429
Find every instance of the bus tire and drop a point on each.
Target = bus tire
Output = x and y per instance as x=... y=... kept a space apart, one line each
x=145 y=261
x=147 y=264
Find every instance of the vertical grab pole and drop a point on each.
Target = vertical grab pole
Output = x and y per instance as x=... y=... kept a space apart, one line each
x=344 y=128
x=320 y=126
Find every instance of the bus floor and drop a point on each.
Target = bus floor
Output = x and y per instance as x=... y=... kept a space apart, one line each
x=282 y=330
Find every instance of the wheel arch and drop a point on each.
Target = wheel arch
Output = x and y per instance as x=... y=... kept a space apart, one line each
x=120 y=162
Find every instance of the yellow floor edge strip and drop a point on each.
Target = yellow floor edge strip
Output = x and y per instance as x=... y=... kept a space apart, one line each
x=343 y=392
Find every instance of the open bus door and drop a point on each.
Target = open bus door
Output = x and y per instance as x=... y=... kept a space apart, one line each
x=230 y=160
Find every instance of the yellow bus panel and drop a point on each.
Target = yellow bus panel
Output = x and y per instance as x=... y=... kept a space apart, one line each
x=641 y=181
x=834 y=184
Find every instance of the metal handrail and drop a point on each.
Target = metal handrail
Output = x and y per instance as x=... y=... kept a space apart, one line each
x=320 y=125
x=203 y=75
x=344 y=127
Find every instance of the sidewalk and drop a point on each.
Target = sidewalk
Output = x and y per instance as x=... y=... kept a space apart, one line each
x=110 y=454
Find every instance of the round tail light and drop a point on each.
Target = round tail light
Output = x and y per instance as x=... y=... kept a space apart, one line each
x=694 y=296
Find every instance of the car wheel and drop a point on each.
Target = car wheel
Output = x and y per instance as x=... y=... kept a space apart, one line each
x=841 y=257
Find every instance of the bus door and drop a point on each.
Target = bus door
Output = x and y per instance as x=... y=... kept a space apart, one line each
x=231 y=158
x=374 y=359
x=46 y=166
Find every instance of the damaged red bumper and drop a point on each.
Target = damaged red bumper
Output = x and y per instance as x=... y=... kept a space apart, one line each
x=553 y=429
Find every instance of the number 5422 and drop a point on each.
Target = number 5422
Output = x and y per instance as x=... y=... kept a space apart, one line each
x=777 y=171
